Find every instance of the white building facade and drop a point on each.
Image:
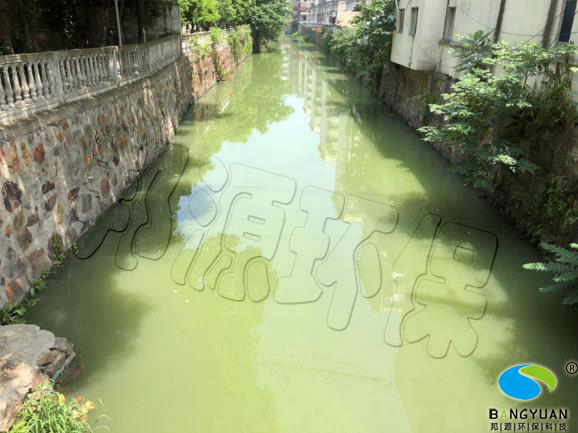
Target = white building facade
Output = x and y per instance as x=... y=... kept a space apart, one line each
x=426 y=29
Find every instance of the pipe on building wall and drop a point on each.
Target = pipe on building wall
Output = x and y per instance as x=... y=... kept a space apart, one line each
x=500 y=20
x=549 y=23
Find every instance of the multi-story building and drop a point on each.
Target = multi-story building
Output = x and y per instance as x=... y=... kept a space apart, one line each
x=427 y=29
x=331 y=12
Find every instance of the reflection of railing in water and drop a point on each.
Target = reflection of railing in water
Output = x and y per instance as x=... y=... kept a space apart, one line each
x=31 y=83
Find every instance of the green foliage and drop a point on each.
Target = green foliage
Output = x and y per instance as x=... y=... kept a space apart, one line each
x=216 y=36
x=554 y=208
x=365 y=46
x=14 y=314
x=48 y=411
x=267 y=19
x=219 y=71
x=234 y=12
x=200 y=13
x=565 y=267
x=297 y=37
x=489 y=114
x=200 y=47
x=240 y=41
x=475 y=49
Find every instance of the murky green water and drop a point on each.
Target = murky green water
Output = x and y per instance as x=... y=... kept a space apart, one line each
x=299 y=262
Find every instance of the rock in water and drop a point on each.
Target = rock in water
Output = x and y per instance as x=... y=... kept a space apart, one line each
x=29 y=356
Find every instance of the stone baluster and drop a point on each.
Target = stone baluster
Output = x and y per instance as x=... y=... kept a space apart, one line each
x=46 y=88
x=2 y=93
x=114 y=64
x=100 y=65
x=91 y=70
x=56 y=69
x=7 y=86
x=84 y=71
x=95 y=69
x=23 y=84
x=31 y=82
x=16 y=85
x=37 y=79
x=70 y=74
x=78 y=72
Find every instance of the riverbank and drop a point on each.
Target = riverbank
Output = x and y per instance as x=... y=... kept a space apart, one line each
x=543 y=205
x=420 y=279
x=63 y=168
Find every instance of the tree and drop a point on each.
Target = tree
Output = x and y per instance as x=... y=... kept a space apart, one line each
x=201 y=14
x=365 y=46
x=267 y=19
x=234 y=12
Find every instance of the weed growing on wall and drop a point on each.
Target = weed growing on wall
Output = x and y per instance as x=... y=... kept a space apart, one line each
x=217 y=36
x=14 y=314
x=240 y=41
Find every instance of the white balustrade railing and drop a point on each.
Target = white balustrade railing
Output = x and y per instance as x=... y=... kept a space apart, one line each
x=30 y=83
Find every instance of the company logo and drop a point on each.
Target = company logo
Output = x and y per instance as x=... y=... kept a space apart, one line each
x=519 y=382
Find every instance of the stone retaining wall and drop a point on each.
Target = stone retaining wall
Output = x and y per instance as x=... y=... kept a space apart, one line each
x=60 y=170
x=212 y=67
x=528 y=200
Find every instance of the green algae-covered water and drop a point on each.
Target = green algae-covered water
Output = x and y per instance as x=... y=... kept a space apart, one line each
x=300 y=262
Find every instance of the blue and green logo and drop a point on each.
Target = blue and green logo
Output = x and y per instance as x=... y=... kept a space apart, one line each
x=519 y=382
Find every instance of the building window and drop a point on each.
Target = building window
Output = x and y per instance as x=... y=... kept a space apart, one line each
x=414 y=14
x=350 y=4
x=568 y=21
x=401 y=21
x=450 y=20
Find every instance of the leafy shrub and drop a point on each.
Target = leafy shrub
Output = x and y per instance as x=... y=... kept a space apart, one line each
x=297 y=37
x=240 y=41
x=216 y=35
x=565 y=268
x=365 y=46
x=48 y=411
x=488 y=114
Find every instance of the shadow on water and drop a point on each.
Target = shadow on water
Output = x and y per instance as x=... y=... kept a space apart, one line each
x=88 y=283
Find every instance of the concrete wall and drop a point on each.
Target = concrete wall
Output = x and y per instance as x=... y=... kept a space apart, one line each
x=419 y=51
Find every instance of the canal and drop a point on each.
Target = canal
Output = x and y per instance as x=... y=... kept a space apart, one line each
x=299 y=261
